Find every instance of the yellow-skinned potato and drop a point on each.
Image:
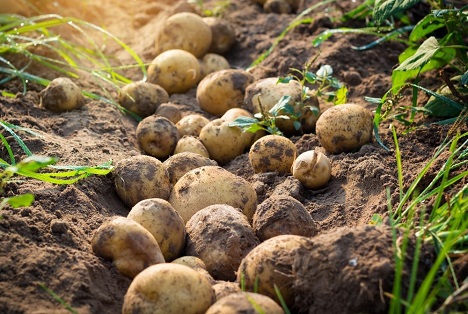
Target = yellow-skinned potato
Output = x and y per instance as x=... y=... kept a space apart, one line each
x=140 y=177
x=211 y=63
x=175 y=70
x=222 y=90
x=234 y=113
x=223 y=288
x=196 y=264
x=186 y=31
x=191 y=144
x=129 y=245
x=179 y=164
x=157 y=136
x=208 y=185
x=312 y=168
x=246 y=303
x=170 y=111
x=272 y=153
x=168 y=289
x=344 y=128
x=142 y=98
x=277 y=6
x=191 y=124
x=164 y=223
x=223 y=35
x=62 y=94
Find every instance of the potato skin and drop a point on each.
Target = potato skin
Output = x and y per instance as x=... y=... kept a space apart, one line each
x=61 y=95
x=196 y=264
x=223 y=288
x=142 y=98
x=272 y=153
x=157 y=136
x=168 y=289
x=170 y=111
x=243 y=302
x=191 y=124
x=140 y=177
x=344 y=128
x=190 y=144
x=211 y=63
x=312 y=168
x=223 y=35
x=277 y=6
x=179 y=164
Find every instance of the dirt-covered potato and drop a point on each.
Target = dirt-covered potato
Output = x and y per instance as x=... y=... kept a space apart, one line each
x=344 y=128
x=191 y=124
x=142 y=98
x=196 y=264
x=168 y=289
x=175 y=70
x=234 y=113
x=140 y=177
x=270 y=264
x=179 y=164
x=212 y=62
x=129 y=245
x=272 y=153
x=277 y=6
x=62 y=94
x=186 y=31
x=245 y=303
x=220 y=91
x=223 y=288
x=170 y=111
x=191 y=144
x=223 y=35
x=164 y=223
x=312 y=168
x=221 y=236
x=157 y=136
x=208 y=185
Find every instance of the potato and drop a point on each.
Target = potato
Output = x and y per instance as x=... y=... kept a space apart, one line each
x=62 y=94
x=223 y=33
x=210 y=185
x=270 y=264
x=221 y=236
x=277 y=6
x=282 y=214
x=169 y=111
x=234 y=113
x=245 y=303
x=142 y=98
x=175 y=70
x=223 y=288
x=344 y=128
x=191 y=124
x=312 y=168
x=211 y=63
x=220 y=91
x=196 y=264
x=190 y=144
x=164 y=223
x=157 y=136
x=129 y=245
x=140 y=177
x=272 y=153
x=179 y=164
x=186 y=31
x=168 y=289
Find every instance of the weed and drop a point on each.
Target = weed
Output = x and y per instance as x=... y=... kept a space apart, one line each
x=217 y=10
x=58 y=299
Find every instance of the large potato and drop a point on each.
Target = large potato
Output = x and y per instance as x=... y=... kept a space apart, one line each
x=223 y=34
x=168 y=289
x=140 y=177
x=191 y=124
x=272 y=153
x=186 y=31
x=175 y=70
x=142 y=98
x=220 y=91
x=245 y=303
x=179 y=164
x=344 y=128
x=157 y=136
x=191 y=144
x=210 y=185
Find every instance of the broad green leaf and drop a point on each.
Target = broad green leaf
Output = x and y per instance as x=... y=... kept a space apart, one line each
x=20 y=200
x=243 y=122
x=340 y=95
x=425 y=27
x=441 y=104
x=285 y=80
x=386 y=8
x=424 y=53
x=310 y=77
x=280 y=105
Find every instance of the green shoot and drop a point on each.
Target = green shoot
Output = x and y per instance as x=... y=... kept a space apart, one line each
x=58 y=299
x=217 y=10
x=281 y=299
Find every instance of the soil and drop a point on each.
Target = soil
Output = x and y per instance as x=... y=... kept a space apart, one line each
x=48 y=243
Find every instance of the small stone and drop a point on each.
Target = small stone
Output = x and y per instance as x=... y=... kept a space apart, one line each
x=58 y=226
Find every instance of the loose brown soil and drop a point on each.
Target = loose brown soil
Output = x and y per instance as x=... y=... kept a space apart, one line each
x=48 y=243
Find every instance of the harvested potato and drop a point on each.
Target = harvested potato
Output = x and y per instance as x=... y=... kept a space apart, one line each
x=179 y=164
x=62 y=94
x=245 y=303
x=190 y=144
x=196 y=264
x=211 y=63
x=277 y=6
x=220 y=91
x=344 y=128
x=272 y=153
x=312 y=168
x=142 y=98
x=140 y=177
x=191 y=124
x=129 y=245
x=157 y=136
x=221 y=236
x=169 y=111
x=164 y=223
x=282 y=214
x=186 y=31
x=234 y=113
x=223 y=35
x=168 y=289
x=175 y=70
x=223 y=288
x=270 y=264
x=208 y=185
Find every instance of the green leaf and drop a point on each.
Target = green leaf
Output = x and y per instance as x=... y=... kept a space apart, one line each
x=464 y=78
x=20 y=200
x=280 y=105
x=34 y=163
x=386 y=8
x=285 y=80
x=426 y=26
x=424 y=53
x=441 y=105
x=310 y=77
x=376 y=220
x=297 y=125
x=340 y=95
x=243 y=122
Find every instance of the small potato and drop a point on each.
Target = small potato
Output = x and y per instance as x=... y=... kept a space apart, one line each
x=141 y=177
x=344 y=128
x=164 y=223
x=245 y=303
x=234 y=113
x=186 y=31
x=179 y=164
x=190 y=144
x=223 y=288
x=169 y=111
x=191 y=124
x=221 y=236
x=208 y=185
x=157 y=136
x=223 y=35
x=272 y=153
x=168 y=289
x=277 y=6
x=196 y=264
x=312 y=168
x=142 y=98
x=175 y=70
x=129 y=245
x=211 y=63
x=61 y=95
x=220 y=91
